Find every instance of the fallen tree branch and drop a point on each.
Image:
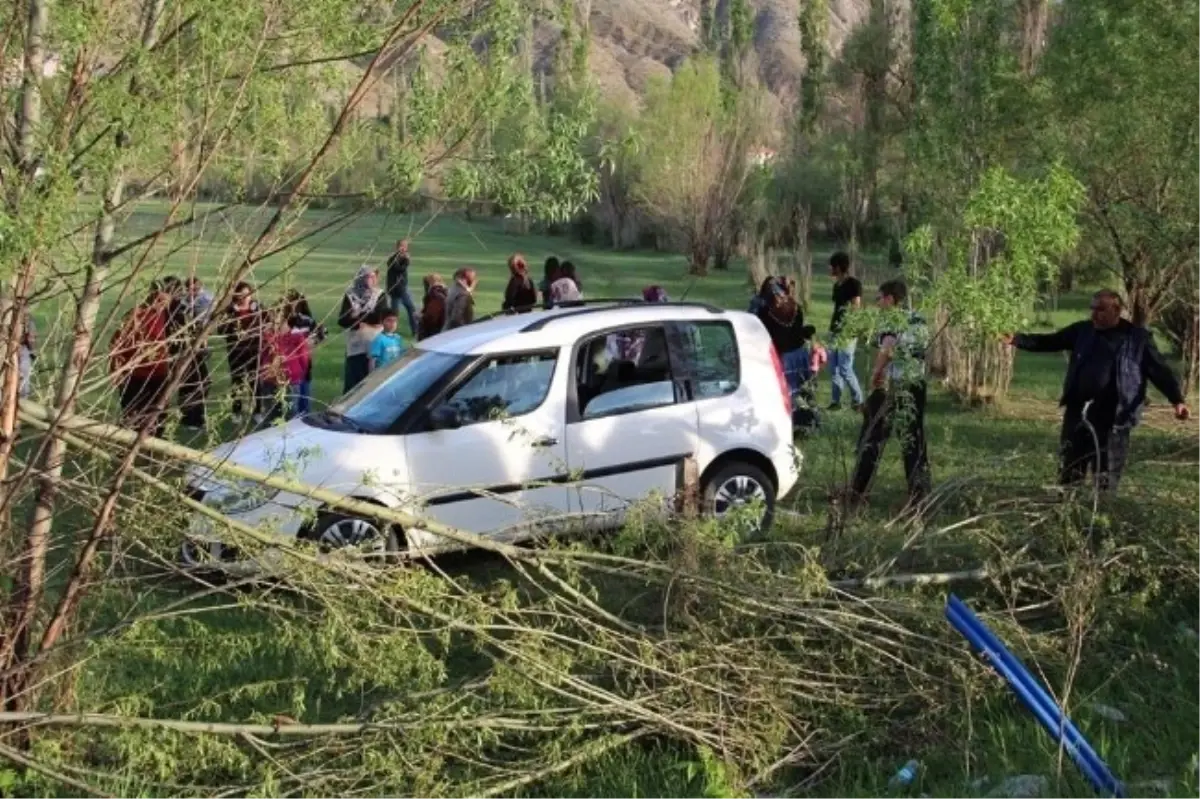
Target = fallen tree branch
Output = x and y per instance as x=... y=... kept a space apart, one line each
x=937 y=578
x=16 y=756
x=33 y=719
x=582 y=756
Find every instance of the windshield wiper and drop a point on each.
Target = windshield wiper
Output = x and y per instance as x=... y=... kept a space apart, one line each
x=340 y=418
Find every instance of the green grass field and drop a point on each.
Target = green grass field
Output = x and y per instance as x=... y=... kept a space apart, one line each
x=1137 y=660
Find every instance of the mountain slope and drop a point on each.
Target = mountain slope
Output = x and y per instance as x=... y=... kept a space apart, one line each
x=631 y=40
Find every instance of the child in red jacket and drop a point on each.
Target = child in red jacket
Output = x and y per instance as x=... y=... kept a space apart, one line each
x=283 y=368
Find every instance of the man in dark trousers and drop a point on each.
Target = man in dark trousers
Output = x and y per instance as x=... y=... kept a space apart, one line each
x=397 y=284
x=1105 y=387
x=847 y=294
x=897 y=398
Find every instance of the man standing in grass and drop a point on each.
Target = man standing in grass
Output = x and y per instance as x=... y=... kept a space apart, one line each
x=387 y=346
x=1105 y=387
x=847 y=294
x=897 y=399
x=397 y=284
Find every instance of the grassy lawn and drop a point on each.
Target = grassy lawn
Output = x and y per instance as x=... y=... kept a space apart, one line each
x=1137 y=659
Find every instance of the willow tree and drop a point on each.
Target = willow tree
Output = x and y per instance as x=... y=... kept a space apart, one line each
x=1119 y=115
x=801 y=177
x=156 y=97
x=695 y=156
x=983 y=271
x=972 y=112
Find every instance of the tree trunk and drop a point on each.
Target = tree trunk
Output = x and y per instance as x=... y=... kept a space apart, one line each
x=12 y=304
x=698 y=255
x=1034 y=17
x=11 y=296
x=1141 y=312
x=1190 y=350
x=32 y=581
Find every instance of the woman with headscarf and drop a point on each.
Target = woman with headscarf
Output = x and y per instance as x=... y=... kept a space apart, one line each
x=520 y=295
x=433 y=307
x=139 y=359
x=784 y=321
x=363 y=307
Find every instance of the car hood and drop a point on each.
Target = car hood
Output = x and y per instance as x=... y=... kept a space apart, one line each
x=294 y=450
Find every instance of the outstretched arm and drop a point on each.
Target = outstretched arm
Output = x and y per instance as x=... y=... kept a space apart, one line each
x=1047 y=342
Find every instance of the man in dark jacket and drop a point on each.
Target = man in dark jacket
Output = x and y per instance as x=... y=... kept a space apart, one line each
x=1105 y=387
x=397 y=284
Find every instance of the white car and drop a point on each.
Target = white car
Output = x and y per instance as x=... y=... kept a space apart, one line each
x=524 y=424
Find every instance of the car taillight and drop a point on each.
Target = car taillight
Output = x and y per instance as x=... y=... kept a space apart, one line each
x=784 y=389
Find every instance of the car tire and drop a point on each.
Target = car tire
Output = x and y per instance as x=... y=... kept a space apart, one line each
x=738 y=483
x=334 y=530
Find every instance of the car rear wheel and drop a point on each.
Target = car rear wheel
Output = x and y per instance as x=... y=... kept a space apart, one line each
x=378 y=542
x=739 y=485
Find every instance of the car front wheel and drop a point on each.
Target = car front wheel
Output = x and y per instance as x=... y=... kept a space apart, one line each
x=739 y=485
x=374 y=539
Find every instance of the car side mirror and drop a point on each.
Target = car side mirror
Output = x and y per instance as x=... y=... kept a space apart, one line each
x=445 y=417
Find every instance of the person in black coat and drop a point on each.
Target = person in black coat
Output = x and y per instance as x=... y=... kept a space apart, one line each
x=520 y=295
x=396 y=277
x=550 y=274
x=1105 y=387
x=784 y=320
x=241 y=327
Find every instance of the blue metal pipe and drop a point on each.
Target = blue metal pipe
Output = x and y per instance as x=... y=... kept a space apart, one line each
x=1034 y=696
x=1046 y=712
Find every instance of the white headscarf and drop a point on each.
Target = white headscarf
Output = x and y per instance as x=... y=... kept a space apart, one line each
x=363 y=297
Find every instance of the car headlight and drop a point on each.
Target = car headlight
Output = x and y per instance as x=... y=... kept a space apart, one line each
x=242 y=496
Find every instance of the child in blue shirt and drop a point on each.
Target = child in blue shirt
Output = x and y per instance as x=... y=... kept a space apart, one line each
x=388 y=345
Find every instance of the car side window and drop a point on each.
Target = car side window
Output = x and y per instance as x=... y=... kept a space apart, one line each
x=711 y=355
x=624 y=371
x=504 y=386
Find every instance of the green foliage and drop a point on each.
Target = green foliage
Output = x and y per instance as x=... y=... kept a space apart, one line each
x=814 y=27
x=693 y=161
x=970 y=101
x=741 y=24
x=708 y=31
x=1127 y=126
x=985 y=271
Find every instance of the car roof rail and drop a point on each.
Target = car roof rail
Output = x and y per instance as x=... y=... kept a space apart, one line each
x=582 y=307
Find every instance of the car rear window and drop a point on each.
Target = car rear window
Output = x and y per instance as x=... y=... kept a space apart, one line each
x=710 y=348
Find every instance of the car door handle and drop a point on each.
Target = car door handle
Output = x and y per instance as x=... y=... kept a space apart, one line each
x=546 y=441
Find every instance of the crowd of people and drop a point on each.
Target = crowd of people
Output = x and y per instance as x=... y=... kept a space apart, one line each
x=897 y=398
x=269 y=351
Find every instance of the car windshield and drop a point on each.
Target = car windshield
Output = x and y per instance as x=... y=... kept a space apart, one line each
x=374 y=404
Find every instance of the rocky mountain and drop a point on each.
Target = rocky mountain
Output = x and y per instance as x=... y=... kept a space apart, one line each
x=634 y=39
